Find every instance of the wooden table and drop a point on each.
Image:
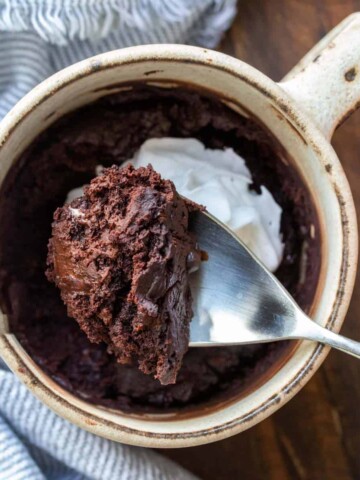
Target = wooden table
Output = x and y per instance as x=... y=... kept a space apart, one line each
x=316 y=436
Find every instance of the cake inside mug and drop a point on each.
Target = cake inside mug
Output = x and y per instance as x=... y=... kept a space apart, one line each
x=215 y=156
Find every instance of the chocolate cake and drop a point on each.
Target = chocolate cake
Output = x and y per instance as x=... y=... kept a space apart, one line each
x=109 y=131
x=121 y=256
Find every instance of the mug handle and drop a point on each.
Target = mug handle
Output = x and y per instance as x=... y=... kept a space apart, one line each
x=326 y=81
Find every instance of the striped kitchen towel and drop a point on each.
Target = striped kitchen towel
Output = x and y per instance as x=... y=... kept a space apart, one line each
x=37 y=38
x=40 y=37
x=36 y=444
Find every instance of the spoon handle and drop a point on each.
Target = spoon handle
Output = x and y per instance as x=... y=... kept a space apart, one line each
x=312 y=331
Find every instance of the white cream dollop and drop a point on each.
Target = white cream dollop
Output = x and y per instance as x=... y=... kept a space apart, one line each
x=219 y=180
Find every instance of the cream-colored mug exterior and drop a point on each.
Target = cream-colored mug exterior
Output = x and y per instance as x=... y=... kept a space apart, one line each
x=291 y=112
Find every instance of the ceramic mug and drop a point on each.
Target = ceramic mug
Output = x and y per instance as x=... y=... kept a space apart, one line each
x=302 y=112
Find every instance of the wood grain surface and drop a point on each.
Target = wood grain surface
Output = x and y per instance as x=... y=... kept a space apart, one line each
x=316 y=436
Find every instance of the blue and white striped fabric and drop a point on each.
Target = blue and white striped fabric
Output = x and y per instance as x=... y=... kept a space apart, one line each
x=40 y=37
x=37 y=38
x=36 y=444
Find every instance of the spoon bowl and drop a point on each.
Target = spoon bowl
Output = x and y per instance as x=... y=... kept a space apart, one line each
x=238 y=301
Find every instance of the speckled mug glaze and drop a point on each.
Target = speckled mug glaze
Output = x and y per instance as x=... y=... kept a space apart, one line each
x=301 y=112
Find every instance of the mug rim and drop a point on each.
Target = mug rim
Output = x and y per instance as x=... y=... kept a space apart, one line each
x=315 y=354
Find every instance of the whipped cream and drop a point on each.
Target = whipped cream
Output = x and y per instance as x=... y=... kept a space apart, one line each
x=219 y=180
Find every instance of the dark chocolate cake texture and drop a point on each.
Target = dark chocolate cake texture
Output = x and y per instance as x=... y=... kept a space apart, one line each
x=107 y=132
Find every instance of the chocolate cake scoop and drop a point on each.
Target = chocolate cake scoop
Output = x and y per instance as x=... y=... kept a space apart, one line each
x=121 y=256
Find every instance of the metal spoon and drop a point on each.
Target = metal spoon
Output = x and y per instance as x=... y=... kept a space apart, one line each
x=238 y=301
